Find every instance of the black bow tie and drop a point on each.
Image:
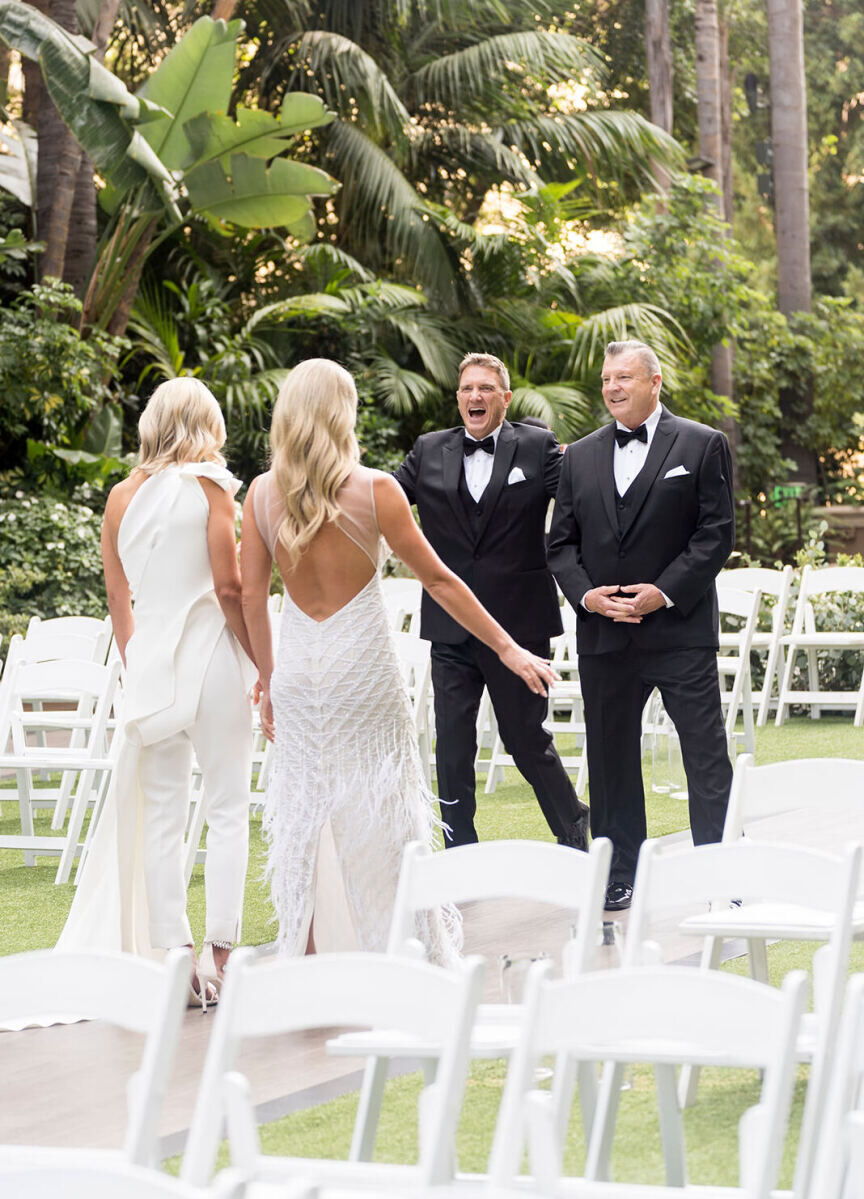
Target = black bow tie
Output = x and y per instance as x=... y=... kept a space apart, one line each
x=622 y=436
x=471 y=447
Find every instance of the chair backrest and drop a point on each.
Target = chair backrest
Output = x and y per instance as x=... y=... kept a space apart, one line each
x=662 y=1015
x=826 y=786
x=527 y=870
x=825 y=581
x=775 y=583
x=402 y=600
x=129 y=992
x=86 y=689
x=802 y=879
x=94 y=629
x=341 y=990
x=838 y=1171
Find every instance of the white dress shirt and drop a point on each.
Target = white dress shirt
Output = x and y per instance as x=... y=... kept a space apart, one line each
x=478 y=466
x=628 y=460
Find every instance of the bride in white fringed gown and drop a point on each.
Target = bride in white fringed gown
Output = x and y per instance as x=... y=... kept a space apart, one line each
x=347 y=790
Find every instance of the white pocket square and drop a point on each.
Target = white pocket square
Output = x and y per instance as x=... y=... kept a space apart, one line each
x=676 y=470
x=516 y=475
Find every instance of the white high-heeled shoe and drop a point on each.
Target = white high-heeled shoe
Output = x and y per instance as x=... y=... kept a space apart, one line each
x=207 y=972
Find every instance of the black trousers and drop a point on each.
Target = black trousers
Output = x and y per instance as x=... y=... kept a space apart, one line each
x=615 y=688
x=459 y=673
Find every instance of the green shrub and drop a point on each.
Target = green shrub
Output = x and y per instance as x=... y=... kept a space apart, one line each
x=50 y=561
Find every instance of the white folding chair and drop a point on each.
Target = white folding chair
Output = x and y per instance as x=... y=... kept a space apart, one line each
x=525 y=870
x=733 y=661
x=565 y=716
x=82 y=638
x=815 y=802
x=776 y=587
x=838 y=1171
x=402 y=600
x=415 y=666
x=662 y=1016
x=826 y=618
x=410 y=999
x=128 y=992
x=81 y=695
x=758 y=892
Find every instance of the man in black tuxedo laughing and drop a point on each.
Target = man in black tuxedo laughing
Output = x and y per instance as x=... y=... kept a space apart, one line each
x=482 y=491
x=643 y=522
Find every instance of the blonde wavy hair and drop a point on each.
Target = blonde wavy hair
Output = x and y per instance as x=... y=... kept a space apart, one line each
x=313 y=448
x=181 y=423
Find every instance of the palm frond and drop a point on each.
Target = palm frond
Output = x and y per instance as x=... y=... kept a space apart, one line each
x=428 y=335
x=480 y=150
x=328 y=260
x=153 y=329
x=312 y=304
x=472 y=72
x=400 y=390
x=565 y=408
x=646 y=322
x=384 y=210
x=383 y=295
x=349 y=79
x=615 y=143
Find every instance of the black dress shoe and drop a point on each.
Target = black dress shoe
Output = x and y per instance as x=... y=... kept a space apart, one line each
x=618 y=897
x=577 y=834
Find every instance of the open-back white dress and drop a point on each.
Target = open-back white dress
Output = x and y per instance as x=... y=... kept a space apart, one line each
x=347 y=789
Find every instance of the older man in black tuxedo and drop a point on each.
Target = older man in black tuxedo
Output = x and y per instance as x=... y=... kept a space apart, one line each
x=643 y=522
x=482 y=491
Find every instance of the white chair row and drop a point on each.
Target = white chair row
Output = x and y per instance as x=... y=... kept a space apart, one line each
x=643 y=1013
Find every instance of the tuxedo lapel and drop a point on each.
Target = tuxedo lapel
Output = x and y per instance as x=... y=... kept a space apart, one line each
x=505 y=451
x=638 y=491
x=605 y=472
x=452 y=458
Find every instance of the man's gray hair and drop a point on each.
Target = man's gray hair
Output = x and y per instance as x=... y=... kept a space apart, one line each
x=491 y=362
x=644 y=353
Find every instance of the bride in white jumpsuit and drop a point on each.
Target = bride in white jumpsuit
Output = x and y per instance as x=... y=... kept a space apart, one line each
x=168 y=546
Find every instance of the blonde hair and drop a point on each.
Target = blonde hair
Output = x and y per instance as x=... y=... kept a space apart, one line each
x=314 y=448
x=491 y=363
x=181 y=423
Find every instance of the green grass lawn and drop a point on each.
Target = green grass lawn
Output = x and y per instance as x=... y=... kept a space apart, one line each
x=33 y=910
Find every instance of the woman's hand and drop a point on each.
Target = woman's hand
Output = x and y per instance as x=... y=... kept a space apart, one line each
x=535 y=672
x=267 y=726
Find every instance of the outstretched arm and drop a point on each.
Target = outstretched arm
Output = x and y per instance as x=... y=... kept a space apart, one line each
x=447 y=589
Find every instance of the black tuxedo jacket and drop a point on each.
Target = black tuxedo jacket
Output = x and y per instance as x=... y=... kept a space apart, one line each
x=503 y=560
x=677 y=531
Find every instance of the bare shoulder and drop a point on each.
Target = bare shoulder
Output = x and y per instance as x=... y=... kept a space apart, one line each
x=387 y=490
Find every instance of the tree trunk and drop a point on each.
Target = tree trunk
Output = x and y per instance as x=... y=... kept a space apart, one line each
x=726 y=125
x=709 y=109
x=223 y=10
x=5 y=62
x=83 y=232
x=789 y=141
x=791 y=206
x=57 y=172
x=658 y=51
x=84 y=226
